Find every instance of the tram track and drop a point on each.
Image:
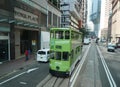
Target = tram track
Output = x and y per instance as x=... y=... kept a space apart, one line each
x=52 y=81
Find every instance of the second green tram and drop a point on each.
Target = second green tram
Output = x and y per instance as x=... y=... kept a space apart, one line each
x=66 y=47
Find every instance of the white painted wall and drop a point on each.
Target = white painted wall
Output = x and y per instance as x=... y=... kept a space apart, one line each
x=45 y=39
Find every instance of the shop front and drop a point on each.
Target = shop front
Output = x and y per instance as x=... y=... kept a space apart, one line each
x=4 y=44
x=26 y=39
x=26 y=31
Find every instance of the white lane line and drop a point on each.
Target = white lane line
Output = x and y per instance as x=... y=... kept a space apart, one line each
x=110 y=78
x=78 y=69
x=1 y=62
x=23 y=83
x=12 y=78
x=28 y=71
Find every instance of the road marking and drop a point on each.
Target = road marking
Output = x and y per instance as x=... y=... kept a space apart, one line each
x=28 y=71
x=23 y=83
x=110 y=78
x=8 y=74
x=78 y=69
x=12 y=78
x=1 y=62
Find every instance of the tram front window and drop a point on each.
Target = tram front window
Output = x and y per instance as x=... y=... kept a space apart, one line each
x=58 y=55
x=59 y=35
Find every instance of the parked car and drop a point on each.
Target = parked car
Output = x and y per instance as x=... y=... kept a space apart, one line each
x=118 y=45
x=43 y=55
x=111 y=47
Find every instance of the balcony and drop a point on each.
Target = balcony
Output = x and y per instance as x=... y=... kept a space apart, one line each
x=74 y=11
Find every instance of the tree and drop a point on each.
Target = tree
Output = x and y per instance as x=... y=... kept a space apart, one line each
x=84 y=32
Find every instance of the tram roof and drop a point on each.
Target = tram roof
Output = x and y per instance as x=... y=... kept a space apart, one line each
x=60 y=28
x=64 y=29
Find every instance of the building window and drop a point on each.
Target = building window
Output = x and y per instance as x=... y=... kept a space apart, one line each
x=54 y=20
x=43 y=21
x=49 y=18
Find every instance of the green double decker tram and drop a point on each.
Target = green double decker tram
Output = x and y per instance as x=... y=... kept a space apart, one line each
x=66 y=47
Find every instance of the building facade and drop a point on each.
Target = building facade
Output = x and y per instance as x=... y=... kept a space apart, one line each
x=106 y=14
x=52 y=19
x=23 y=29
x=21 y=24
x=115 y=30
x=95 y=15
x=73 y=13
x=54 y=13
x=5 y=14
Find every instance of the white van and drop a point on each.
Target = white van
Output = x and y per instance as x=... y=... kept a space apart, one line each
x=43 y=55
x=86 y=41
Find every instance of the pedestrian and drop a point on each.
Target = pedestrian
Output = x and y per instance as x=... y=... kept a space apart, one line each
x=29 y=53
x=26 y=55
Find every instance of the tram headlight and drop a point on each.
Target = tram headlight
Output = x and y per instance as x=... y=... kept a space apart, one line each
x=57 y=67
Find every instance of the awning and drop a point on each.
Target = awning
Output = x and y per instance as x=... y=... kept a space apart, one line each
x=18 y=22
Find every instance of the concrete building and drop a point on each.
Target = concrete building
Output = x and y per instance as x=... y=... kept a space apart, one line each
x=95 y=15
x=104 y=34
x=5 y=26
x=53 y=18
x=106 y=14
x=54 y=13
x=83 y=13
x=115 y=30
x=73 y=13
x=21 y=24
x=89 y=22
x=24 y=27
x=109 y=28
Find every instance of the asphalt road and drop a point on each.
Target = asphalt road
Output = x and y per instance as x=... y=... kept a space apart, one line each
x=113 y=61
x=28 y=77
x=93 y=74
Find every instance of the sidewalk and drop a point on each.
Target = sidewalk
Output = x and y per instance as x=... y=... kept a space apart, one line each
x=15 y=65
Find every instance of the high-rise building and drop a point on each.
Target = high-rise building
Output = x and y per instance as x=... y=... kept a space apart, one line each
x=73 y=13
x=106 y=14
x=95 y=15
x=89 y=22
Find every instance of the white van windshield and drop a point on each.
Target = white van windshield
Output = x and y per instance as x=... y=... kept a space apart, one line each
x=41 y=52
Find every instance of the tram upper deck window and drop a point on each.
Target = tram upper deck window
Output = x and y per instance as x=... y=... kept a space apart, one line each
x=59 y=35
x=67 y=35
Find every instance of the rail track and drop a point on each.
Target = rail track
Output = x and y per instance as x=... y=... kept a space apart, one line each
x=51 y=81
